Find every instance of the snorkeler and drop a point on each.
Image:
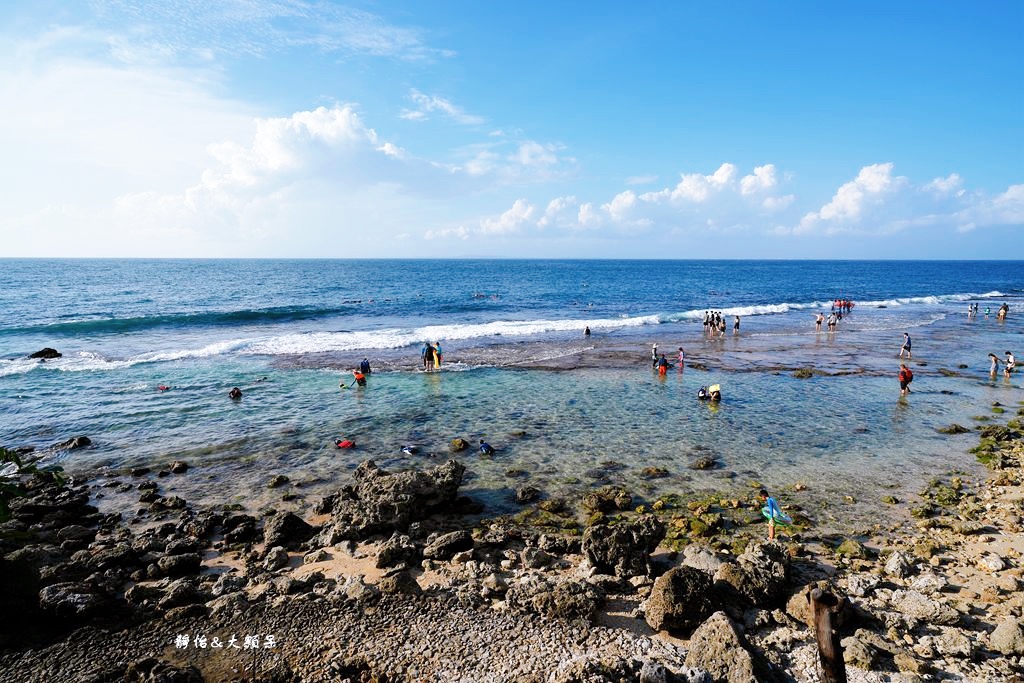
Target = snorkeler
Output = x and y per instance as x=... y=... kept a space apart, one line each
x=486 y=448
x=235 y=394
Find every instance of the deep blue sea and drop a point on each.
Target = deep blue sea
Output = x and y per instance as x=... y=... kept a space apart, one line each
x=287 y=331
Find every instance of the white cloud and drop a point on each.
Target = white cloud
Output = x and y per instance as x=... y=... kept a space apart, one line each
x=778 y=203
x=432 y=103
x=641 y=179
x=460 y=232
x=869 y=189
x=619 y=207
x=557 y=212
x=763 y=178
x=536 y=155
x=951 y=184
x=588 y=216
x=695 y=187
x=171 y=28
x=1006 y=208
x=510 y=221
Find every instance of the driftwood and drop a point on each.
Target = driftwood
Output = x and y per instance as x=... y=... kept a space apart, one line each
x=826 y=608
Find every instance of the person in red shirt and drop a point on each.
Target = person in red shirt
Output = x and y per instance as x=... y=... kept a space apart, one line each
x=906 y=377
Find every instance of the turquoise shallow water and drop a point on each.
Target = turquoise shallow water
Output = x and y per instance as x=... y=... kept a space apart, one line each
x=846 y=431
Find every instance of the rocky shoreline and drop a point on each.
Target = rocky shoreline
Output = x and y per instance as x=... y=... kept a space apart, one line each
x=397 y=577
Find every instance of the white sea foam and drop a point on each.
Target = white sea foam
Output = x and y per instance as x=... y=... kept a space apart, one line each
x=397 y=338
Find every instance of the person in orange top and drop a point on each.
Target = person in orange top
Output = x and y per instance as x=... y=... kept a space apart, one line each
x=360 y=378
x=906 y=377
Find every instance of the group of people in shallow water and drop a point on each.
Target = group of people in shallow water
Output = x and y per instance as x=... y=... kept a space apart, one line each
x=843 y=305
x=972 y=311
x=833 y=319
x=430 y=356
x=714 y=324
x=1010 y=364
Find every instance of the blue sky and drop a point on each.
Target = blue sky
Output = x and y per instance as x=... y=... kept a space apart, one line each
x=557 y=129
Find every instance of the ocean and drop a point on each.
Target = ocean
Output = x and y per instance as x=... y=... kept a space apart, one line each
x=564 y=411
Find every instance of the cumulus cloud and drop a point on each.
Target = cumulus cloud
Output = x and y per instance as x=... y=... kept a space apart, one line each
x=558 y=212
x=695 y=187
x=1006 y=208
x=870 y=189
x=951 y=184
x=763 y=178
x=510 y=221
x=428 y=104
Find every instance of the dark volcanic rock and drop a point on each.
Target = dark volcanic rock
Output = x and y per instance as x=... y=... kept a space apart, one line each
x=607 y=499
x=527 y=494
x=679 y=601
x=179 y=565
x=71 y=600
x=445 y=546
x=287 y=530
x=623 y=549
x=760 y=574
x=397 y=551
x=240 y=529
x=72 y=443
x=46 y=353
x=381 y=502
x=566 y=599
x=718 y=648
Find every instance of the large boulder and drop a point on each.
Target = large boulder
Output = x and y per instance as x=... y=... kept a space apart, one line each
x=680 y=600
x=917 y=606
x=286 y=530
x=397 y=551
x=623 y=549
x=46 y=353
x=565 y=599
x=718 y=648
x=760 y=575
x=74 y=601
x=1008 y=637
x=443 y=547
x=379 y=502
